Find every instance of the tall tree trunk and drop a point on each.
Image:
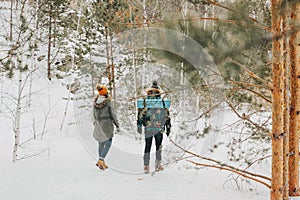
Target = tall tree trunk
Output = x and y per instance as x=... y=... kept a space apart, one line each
x=36 y=14
x=277 y=110
x=54 y=28
x=92 y=74
x=108 y=59
x=11 y=20
x=286 y=122
x=286 y=105
x=49 y=43
x=29 y=97
x=295 y=107
x=17 y=120
x=112 y=69
x=145 y=24
x=93 y=85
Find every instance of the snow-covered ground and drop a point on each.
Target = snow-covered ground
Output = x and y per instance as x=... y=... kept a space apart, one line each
x=68 y=172
x=65 y=168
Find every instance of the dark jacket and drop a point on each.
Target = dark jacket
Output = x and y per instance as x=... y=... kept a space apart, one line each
x=148 y=117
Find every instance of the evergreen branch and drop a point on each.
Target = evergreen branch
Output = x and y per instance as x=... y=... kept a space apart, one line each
x=247 y=118
x=235 y=11
x=231 y=170
x=219 y=163
x=250 y=85
x=16 y=45
x=258 y=94
x=205 y=112
x=252 y=74
x=246 y=85
x=139 y=24
x=225 y=20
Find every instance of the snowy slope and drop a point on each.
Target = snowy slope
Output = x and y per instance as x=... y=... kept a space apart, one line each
x=68 y=172
x=66 y=169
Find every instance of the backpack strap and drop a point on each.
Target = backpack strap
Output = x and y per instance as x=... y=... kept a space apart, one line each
x=142 y=114
x=144 y=103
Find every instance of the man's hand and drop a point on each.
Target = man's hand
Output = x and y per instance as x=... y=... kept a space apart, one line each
x=139 y=130
x=168 y=132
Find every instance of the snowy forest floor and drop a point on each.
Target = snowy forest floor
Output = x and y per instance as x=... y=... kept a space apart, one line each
x=64 y=168
x=68 y=172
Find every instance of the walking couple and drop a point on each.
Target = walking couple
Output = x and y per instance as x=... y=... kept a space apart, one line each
x=155 y=119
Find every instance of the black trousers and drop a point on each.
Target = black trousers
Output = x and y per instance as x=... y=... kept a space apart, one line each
x=148 y=143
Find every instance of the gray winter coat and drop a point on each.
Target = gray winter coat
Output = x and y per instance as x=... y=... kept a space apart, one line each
x=104 y=118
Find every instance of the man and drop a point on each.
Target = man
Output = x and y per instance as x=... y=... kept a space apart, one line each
x=154 y=115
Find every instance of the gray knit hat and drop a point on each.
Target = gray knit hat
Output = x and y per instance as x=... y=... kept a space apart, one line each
x=154 y=85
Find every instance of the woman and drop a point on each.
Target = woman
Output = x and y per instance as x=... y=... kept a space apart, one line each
x=104 y=121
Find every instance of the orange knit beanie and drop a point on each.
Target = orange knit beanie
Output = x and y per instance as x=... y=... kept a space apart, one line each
x=102 y=90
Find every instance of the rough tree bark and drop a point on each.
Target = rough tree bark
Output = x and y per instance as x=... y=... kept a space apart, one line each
x=277 y=100
x=286 y=105
x=295 y=97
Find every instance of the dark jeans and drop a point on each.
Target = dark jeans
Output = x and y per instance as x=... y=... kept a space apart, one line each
x=103 y=148
x=158 y=140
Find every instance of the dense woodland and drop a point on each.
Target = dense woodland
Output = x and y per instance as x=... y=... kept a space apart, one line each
x=255 y=46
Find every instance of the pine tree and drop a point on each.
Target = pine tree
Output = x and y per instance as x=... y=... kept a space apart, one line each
x=50 y=16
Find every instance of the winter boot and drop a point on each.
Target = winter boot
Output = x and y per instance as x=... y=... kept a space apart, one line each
x=158 y=166
x=146 y=169
x=101 y=164
x=105 y=165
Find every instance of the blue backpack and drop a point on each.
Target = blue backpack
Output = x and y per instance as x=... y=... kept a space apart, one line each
x=153 y=113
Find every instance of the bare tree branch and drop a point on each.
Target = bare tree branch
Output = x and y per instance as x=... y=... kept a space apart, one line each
x=231 y=170
x=221 y=164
